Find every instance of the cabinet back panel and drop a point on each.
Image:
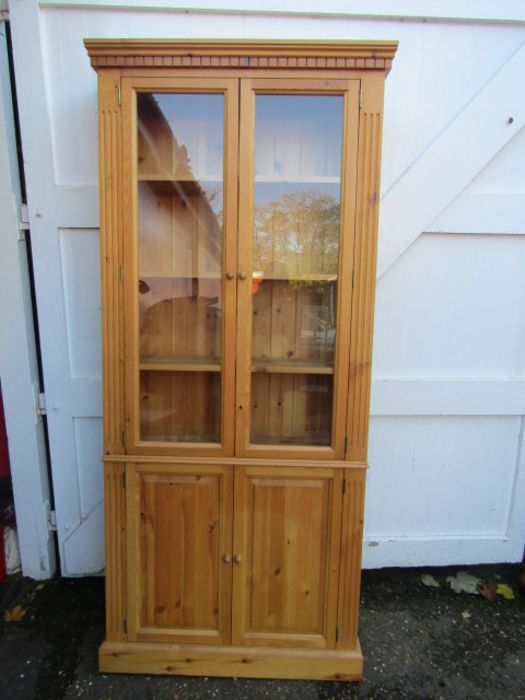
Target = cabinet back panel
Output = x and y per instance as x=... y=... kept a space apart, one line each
x=154 y=137
x=294 y=319
x=180 y=228
x=183 y=319
x=291 y=409
x=180 y=406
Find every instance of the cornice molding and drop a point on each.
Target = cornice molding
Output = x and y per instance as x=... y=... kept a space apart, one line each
x=344 y=55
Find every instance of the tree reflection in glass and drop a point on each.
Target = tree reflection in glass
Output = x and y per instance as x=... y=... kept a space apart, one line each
x=296 y=231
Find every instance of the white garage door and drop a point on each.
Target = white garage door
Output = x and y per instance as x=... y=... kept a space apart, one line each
x=447 y=435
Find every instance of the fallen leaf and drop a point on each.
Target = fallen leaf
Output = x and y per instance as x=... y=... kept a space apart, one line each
x=15 y=614
x=466 y=615
x=487 y=590
x=505 y=590
x=429 y=580
x=464 y=582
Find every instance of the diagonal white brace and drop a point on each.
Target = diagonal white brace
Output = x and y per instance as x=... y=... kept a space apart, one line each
x=452 y=160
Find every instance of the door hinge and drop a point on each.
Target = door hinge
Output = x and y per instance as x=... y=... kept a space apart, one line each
x=23 y=224
x=52 y=520
x=41 y=408
x=360 y=98
x=39 y=403
x=344 y=486
x=337 y=634
x=51 y=517
x=119 y=93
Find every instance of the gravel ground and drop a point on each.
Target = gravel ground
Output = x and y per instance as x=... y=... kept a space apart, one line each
x=418 y=642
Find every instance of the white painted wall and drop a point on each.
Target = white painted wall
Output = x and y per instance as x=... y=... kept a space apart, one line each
x=447 y=477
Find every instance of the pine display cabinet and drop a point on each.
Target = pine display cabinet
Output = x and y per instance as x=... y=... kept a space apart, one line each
x=239 y=187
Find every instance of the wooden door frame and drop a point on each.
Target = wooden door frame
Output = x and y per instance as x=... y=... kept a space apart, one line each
x=349 y=88
x=206 y=85
x=242 y=545
x=135 y=593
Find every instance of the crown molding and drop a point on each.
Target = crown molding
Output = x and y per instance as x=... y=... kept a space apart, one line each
x=123 y=53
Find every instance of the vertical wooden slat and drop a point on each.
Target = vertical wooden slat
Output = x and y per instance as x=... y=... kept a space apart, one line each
x=364 y=267
x=230 y=235
x=115 y=539
x=244 y=303
x=350 y=562
x=130 y=261
x=110 y=258
x=334 y=532
x=346 y=246
x=135 y=598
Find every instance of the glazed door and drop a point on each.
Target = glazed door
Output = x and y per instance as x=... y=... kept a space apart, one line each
x=297 y=179
x=180 y=254
x=179 y=538
x=286 y=555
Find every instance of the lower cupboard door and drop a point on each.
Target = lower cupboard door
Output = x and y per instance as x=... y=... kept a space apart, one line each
x=286 y=556
x=179 y=537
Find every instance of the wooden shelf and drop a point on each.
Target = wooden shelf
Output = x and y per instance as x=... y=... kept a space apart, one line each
x=167 y=437
x=159 y=274
x=299 y=179
x=168 y=177
x=316 y=440
x=180 y=364
x=181 y=186
x=289 y=366
x=260 y=276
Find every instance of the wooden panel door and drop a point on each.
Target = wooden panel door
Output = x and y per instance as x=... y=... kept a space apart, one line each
x=179 y=539
x=286 y=555
x=297 y=176
x=181 y=146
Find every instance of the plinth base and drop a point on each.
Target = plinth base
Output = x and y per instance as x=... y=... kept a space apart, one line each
x=229 y=661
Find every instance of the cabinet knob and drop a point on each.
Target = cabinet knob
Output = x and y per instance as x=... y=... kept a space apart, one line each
x=226 y=558
x=229 y=275
x=237 y=558
x=242 y=275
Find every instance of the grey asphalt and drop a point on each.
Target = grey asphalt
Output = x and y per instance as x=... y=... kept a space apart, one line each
x=418 y=642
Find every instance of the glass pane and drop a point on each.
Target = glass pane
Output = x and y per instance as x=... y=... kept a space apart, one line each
x=180 y=238
x=297 y=183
